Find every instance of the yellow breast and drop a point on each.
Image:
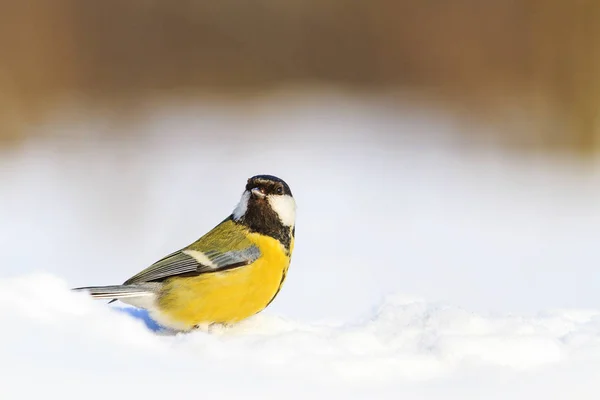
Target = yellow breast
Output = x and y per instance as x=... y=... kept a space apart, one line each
x=228 y=296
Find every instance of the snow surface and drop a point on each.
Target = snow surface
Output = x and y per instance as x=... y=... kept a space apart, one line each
x=420 y=268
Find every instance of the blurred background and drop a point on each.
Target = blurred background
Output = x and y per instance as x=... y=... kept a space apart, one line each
x=443 y=149
x=530 y=65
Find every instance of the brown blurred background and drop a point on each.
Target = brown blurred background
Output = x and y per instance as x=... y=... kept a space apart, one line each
x=537 y=60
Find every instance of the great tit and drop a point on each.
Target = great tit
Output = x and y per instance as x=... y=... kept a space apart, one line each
x=229 y=274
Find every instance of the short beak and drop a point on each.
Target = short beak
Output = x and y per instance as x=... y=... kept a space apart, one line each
x=258 y=193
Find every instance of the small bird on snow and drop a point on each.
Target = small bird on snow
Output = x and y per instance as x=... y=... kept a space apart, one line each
x=229 y=274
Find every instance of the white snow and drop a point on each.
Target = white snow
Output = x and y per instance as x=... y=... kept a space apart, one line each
x=71 y=346
x=422 y=269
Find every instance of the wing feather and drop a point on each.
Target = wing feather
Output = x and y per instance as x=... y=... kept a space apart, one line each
x=223 y=248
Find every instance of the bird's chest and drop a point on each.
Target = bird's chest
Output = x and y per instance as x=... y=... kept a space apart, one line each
x=245 y=291
x=229 y=296
x=268 y=272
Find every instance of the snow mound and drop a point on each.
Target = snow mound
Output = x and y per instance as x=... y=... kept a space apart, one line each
x=65 y=341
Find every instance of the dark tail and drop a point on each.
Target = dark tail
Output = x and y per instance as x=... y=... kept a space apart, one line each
x=115 y=292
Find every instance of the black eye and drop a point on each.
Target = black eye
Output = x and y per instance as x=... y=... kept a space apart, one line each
x=279 y=190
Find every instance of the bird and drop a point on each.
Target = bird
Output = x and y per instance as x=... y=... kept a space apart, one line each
x=231 y=273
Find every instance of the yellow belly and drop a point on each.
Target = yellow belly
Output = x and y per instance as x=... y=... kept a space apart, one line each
x=229 y=296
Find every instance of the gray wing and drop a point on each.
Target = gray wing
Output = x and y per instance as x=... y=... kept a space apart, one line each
x=188 y=262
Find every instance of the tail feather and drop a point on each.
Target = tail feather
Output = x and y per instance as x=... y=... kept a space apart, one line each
x=116 y=291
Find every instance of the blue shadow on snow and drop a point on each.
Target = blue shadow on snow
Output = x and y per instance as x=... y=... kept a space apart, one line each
x=142 y=315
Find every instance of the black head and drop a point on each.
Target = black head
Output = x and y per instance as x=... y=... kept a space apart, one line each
x=267 y=207
x=268 y=184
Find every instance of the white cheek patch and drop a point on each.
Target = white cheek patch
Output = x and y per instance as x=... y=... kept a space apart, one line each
x=242 y=206
x=200 y=257
x=285 y=207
